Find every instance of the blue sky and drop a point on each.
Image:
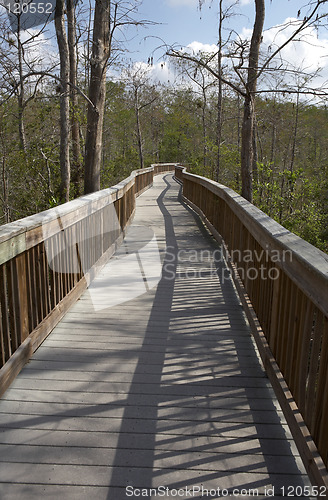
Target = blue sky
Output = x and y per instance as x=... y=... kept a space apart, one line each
x=182 y=22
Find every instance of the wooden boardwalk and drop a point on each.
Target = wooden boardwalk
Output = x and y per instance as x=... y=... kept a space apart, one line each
x=154 y=383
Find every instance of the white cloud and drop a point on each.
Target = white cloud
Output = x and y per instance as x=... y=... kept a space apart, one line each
x=40 y=52
x=183 y=3
x=158 y=72
x=196 y=47
x=163 y=72
x=308 y=54
x=309 y=50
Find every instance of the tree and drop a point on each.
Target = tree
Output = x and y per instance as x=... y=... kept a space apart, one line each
x=247 y=136
x=101 y=47
x=75 y=126
x=108 y=19
x=64 y=99
x=137 y=79
x=15 y=62
x=249 y=75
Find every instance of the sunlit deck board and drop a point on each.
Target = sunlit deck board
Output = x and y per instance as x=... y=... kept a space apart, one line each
x=165 y=389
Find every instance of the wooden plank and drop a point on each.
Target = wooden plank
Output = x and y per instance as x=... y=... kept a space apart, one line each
x=11 y=245
x=23 y=305
x=11 y=369
x=7 y=351
x=314 y=400
x=304 y=441
x=307 y=267
x=175 y=384
x=12 y=304
x=308 y=450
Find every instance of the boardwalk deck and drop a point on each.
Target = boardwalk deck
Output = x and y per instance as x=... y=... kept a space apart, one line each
x=149 y=383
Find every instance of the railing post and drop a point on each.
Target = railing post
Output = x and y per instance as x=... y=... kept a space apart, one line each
x=22 y=297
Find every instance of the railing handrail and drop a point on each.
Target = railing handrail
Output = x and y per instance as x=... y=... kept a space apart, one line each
x=308 y=267
x=287 y=310
x=13 y=234
x=34 y=293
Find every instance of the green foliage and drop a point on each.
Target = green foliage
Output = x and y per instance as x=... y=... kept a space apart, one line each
x=292 y=170
x=294 y=201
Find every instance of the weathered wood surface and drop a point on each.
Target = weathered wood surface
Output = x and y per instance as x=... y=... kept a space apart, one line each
x=46 y=260
x=165 y=389
x=284 y=280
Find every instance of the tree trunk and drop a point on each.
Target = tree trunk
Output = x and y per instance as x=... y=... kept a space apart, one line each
x=139 y=134
x=21 y=91
x=139 y=137
x=295 y=133
x=97 y=95
x=249 y=109
x=5 y=200
x=255 y=152
x=204 y=129
x=64 y=100
x=247 y=150
x=75 y=126
x=220 y=97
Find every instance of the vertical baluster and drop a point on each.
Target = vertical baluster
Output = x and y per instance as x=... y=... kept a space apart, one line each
x=280 y=316
x=297 y=367
x=320 y=413
x=52 y=281
x=6 y=344
x=22 y=299
x=30 y=276
x=275 y=309
x=291 y=333
x=305 y=357
x=2 y=342
x=45 y=281
x=314 y=396
x=13 y=304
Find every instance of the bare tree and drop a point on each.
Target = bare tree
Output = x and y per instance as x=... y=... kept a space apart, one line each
x=247 y=137
x=16 y=60
x=75 y=126
x=109 y=17
x=138 y=81
x=64 y=99
x=249 y=69
x=97 y=93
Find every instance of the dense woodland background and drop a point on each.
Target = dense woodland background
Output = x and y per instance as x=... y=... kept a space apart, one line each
x=147 y=122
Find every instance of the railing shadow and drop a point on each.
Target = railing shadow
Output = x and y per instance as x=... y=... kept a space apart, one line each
x=201 y=413
x=163 y=304
x=191 y=422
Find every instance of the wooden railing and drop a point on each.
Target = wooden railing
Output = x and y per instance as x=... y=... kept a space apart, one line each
x=48 y=259
x=283 y=282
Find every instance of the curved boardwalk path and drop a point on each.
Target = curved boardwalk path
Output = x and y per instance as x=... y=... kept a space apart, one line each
x=149 y=386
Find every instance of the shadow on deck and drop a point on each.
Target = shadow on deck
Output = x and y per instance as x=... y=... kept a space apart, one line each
x=164 y=391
